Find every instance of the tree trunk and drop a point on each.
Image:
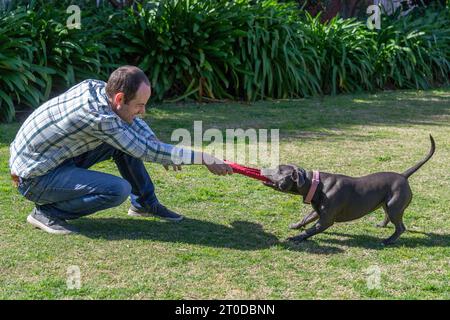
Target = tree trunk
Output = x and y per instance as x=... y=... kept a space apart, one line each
x=332 y=10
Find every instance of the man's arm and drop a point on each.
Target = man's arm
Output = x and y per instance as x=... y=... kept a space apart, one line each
x=143 y=129
x=213 y=164
x=144 y=145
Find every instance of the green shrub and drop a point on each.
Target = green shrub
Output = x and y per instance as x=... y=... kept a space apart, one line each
x=274 y=53
x=75 y=54
x=21 y=81
x=346 y=50
x=219 y=49
x=414 y=51
x=40 y=54
x=184 y=48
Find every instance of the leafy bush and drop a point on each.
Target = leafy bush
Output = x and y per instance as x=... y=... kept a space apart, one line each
x=75 y=54
x=219 y=49
x=21 y=80
x=39 y=53
x=223 y=49
x=346 y=51
x=414 y=51
x=274 y=53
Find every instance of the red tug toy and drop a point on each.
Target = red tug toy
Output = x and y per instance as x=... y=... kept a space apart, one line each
x=247 y=171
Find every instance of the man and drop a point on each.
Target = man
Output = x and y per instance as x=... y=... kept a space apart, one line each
x=89 y=123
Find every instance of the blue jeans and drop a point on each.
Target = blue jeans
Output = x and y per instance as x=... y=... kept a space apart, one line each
x=71 y=190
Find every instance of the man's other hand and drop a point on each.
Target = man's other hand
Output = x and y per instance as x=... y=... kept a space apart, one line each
x=174 y=166
x=216 y=165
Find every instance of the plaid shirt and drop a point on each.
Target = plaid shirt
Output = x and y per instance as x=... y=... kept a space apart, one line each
x=78 y=121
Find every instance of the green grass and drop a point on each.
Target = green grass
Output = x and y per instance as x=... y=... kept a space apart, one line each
x=232 y=243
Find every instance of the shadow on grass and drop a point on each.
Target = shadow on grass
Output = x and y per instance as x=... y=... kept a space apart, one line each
x=241 y=235
x=326 y=246
x=312 y=247
x=372 y=242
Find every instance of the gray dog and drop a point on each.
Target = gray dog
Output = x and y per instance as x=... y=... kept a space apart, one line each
x=339 y=198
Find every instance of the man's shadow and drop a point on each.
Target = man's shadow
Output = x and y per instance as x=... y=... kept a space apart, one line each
x=241 y=235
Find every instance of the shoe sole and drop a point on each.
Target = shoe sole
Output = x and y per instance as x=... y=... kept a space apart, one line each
x=37 y=224
x=132 y=213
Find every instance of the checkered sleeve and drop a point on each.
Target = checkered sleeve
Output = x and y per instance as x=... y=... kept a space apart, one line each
x=141 y=143
x=143 y=129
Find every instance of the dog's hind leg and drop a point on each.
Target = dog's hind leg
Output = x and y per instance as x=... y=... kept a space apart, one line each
x=399 y=229
x=395 y=209
x=386 y=220
x=310 y=217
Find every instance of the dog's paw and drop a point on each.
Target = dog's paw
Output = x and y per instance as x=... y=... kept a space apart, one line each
x=296 y=225
x=381 y=225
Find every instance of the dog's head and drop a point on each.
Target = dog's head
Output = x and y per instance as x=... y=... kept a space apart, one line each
x=285 y=178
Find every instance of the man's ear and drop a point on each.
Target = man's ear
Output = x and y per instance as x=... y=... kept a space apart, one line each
x=118 y=98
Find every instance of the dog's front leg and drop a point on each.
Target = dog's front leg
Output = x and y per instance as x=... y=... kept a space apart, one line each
x=319 y=227
x=310 y=217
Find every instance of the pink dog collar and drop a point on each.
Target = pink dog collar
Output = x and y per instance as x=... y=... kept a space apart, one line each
x=312 y=190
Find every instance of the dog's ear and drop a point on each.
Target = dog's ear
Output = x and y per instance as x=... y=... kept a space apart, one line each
x=300 y=178
x=294 y=175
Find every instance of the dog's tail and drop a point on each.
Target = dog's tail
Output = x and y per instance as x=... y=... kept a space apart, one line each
x=413 y=169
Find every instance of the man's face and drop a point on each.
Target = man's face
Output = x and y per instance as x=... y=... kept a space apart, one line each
x=127 y=112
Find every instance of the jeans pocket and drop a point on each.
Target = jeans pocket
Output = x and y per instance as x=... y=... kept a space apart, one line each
x=28 y=188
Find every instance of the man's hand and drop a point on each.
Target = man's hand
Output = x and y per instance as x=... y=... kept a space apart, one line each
x=174 y=166
x=220 y=169
x=216 y=165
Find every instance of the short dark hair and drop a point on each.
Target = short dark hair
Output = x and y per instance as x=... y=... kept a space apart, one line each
x=126 y=79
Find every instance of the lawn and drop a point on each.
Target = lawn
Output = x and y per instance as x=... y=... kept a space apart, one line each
x=232 y=243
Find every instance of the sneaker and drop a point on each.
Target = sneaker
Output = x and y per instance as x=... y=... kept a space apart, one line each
x=157 y=210
x=49 y=224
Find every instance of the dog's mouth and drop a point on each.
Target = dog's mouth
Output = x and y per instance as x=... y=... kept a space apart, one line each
x=271 y=184
x=276 y=184
x=270 y=174
x=278 y=180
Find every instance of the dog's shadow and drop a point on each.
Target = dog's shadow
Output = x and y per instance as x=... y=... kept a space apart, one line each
x=328 y=245
x=406 y=240
x=312 y=246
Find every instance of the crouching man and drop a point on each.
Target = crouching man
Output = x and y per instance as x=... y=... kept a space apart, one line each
x=92 y=122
